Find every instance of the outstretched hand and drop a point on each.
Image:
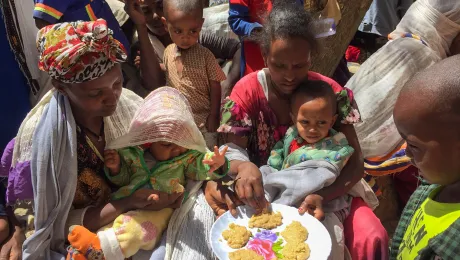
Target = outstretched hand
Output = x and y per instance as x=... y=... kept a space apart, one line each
x=313 y=205
x=217 y=160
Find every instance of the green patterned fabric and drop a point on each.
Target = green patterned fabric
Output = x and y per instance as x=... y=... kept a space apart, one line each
x=167 y=176
x=444 y=246
x=334 y=149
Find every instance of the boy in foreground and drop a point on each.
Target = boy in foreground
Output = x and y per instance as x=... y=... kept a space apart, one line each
x=427 y=115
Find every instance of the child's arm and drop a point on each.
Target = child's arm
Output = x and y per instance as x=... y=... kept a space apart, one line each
x=213 y=119
x=116 y=168
x=238 y=18
x=215 y=76
x=276 y=158
x=208 y=166
x=112 y=162
x=151 y=72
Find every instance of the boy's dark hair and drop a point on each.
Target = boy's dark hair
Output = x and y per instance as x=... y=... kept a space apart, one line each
x=287 y=20
x=438 y=87
x=315 y=89
x=186 y=6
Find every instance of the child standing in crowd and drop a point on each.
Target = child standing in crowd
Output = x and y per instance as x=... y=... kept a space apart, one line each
x=172 y=150
x=430 y=124
x=246 y=18
x=190 y=67
x=48 y=12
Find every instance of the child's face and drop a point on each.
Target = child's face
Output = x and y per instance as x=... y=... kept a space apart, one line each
x=313 y=118
x=184 y=28
x=288 y=61
x=153 y=11
x=433 y=146
x=163 y=151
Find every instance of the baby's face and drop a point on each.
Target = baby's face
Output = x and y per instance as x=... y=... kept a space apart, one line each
x=163 y=151
x=313 y=119
x=184 y=28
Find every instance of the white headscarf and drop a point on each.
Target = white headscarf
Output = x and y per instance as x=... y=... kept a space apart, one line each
x=165 y=115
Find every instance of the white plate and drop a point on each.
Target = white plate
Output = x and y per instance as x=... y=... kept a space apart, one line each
x=318 y=239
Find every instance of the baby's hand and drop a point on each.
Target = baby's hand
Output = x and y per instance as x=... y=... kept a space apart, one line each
x=112 y=161
x=217 y=160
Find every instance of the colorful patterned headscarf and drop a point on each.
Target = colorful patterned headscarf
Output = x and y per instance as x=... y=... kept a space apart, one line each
x=80 y=51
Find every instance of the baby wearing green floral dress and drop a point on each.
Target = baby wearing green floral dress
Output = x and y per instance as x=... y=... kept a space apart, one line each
x=313 y=110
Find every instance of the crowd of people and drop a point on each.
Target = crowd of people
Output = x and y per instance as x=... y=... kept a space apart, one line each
x=152 y=125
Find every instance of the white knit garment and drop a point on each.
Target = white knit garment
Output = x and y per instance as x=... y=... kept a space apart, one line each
x=165 y=115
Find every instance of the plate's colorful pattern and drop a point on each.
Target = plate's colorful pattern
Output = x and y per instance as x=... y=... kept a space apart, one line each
x=270 y=243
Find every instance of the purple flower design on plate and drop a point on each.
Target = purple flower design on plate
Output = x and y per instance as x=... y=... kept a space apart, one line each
x=267 y=235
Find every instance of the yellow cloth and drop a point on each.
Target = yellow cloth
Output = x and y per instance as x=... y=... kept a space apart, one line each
x=430 y=220
x=140 y=229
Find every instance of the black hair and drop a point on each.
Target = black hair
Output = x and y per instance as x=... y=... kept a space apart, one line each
x=437 y=87
x=313 y=89
x=287 y=20
x=186 y=6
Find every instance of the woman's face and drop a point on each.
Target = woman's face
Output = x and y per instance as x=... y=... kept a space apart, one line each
x=288 y=61
x=153 y=11
x=99 y=97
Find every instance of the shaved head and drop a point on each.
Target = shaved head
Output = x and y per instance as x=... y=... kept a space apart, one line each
x=185 y=6
x=427 y=115
x=434 y=92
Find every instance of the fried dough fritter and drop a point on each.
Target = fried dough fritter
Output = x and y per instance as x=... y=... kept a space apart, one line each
x=295 y=233
x=237 y=236
x=296 y=251
x=267 y=220
x=245 y=254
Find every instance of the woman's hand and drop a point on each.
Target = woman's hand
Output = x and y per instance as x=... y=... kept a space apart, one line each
x=154 y=200
x=249 y=186
x=220 y=198
x=133 y=9
x=313 y=204
x=12 y=249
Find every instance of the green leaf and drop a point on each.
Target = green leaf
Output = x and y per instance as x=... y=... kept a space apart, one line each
x=277 y=247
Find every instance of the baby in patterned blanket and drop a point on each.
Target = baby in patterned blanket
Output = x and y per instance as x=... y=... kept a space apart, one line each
x=314 y=112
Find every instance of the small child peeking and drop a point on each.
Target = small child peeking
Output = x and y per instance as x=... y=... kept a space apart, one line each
x=310 y=157
x=163 y=149
x=190 y=67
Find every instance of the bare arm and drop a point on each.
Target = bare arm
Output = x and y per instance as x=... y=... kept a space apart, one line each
x=233 y=75
x=97 y=217
x=153 y=76
x=213 y=120
x=351 y=173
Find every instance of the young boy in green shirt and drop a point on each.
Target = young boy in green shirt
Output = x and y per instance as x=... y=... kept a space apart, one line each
x=427 y=115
